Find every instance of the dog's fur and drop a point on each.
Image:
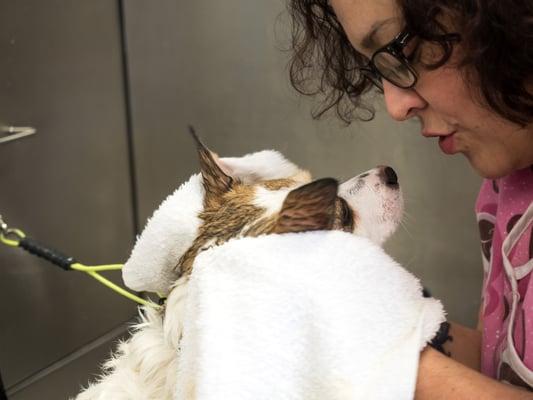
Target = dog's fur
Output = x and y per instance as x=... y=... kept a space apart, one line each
x=238 y=204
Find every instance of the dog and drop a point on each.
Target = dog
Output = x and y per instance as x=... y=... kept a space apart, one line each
x=241 y=203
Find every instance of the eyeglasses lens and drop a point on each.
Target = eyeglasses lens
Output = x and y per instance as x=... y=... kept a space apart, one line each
x=393 y=69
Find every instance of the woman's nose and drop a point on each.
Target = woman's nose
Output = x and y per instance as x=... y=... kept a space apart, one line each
x=402 y=104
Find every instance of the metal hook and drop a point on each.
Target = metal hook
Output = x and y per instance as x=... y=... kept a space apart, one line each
x=3 y=225
x=6 y=233
x=16 y=132
x=13 y=232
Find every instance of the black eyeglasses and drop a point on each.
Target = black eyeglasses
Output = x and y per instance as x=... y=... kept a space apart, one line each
x=390 y=63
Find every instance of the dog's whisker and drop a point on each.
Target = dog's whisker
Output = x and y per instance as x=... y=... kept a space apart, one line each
x=411 y=261
x=407 y=216
x=404 y=227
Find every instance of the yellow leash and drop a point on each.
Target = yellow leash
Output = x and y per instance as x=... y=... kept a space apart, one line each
x=16 y=238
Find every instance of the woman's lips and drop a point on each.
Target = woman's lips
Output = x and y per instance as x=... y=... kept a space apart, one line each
x=447 y=144
x=446 y=141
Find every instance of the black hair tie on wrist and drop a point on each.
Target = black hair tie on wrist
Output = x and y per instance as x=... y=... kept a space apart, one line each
x=442 y=335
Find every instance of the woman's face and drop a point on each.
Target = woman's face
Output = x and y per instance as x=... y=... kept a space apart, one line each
x=440 y=100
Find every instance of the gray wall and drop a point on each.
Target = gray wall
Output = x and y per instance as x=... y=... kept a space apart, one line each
x=219 y=66
x=67 y=186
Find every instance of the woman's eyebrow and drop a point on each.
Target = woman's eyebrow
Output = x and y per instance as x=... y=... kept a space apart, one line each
x=369 y=40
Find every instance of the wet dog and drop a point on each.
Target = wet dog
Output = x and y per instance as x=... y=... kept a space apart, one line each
x=239 y=202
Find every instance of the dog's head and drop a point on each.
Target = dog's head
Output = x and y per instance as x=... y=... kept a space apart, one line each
x=240 y=202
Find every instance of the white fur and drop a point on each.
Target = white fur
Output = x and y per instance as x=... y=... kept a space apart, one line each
x=270 y=200
x=260 y=166
x=378 y=207
x=144 y=367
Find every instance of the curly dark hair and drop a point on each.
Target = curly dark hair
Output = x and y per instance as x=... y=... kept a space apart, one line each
x=496 y=57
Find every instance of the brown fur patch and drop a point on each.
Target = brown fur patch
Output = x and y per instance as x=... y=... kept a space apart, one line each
x=277 y=184
x=222 y=221
x=309 y=208
x=263 y=226
x=216 y=182
x=345 y=217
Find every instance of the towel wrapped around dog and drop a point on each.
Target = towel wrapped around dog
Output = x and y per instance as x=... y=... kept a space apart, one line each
x=315 y=315
x=174 y=225
x=312 y=315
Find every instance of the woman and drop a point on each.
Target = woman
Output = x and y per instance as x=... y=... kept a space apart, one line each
x=463 y=68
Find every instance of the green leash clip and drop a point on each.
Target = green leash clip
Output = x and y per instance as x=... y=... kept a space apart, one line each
x=16 y=238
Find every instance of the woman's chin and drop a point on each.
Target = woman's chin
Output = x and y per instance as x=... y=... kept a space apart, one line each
x=490 y=167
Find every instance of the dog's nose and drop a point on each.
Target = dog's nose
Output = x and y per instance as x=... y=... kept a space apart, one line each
x=389 y=176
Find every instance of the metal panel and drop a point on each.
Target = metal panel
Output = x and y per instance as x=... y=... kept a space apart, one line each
x=220 y=65
x=81 y=368
x=68 y=185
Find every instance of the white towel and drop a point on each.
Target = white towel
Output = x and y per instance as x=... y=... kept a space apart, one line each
x=167 y=235
x=174 y=225
x=323 y=315
x=316 y=315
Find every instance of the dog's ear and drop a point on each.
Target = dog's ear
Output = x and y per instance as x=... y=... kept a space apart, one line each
x=309 y=208
x=216 y=181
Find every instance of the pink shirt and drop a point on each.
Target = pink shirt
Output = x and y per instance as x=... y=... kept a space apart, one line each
x=504 y=211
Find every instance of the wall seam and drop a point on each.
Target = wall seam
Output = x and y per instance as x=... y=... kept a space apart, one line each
x=129 y=117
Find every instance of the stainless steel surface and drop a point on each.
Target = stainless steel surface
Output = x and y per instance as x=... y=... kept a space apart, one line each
x=69 y=185
x=10 y=133
x=221 y=67
x=66 y=377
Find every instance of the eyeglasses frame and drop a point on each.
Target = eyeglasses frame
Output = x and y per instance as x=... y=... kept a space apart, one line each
x=395 y=48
